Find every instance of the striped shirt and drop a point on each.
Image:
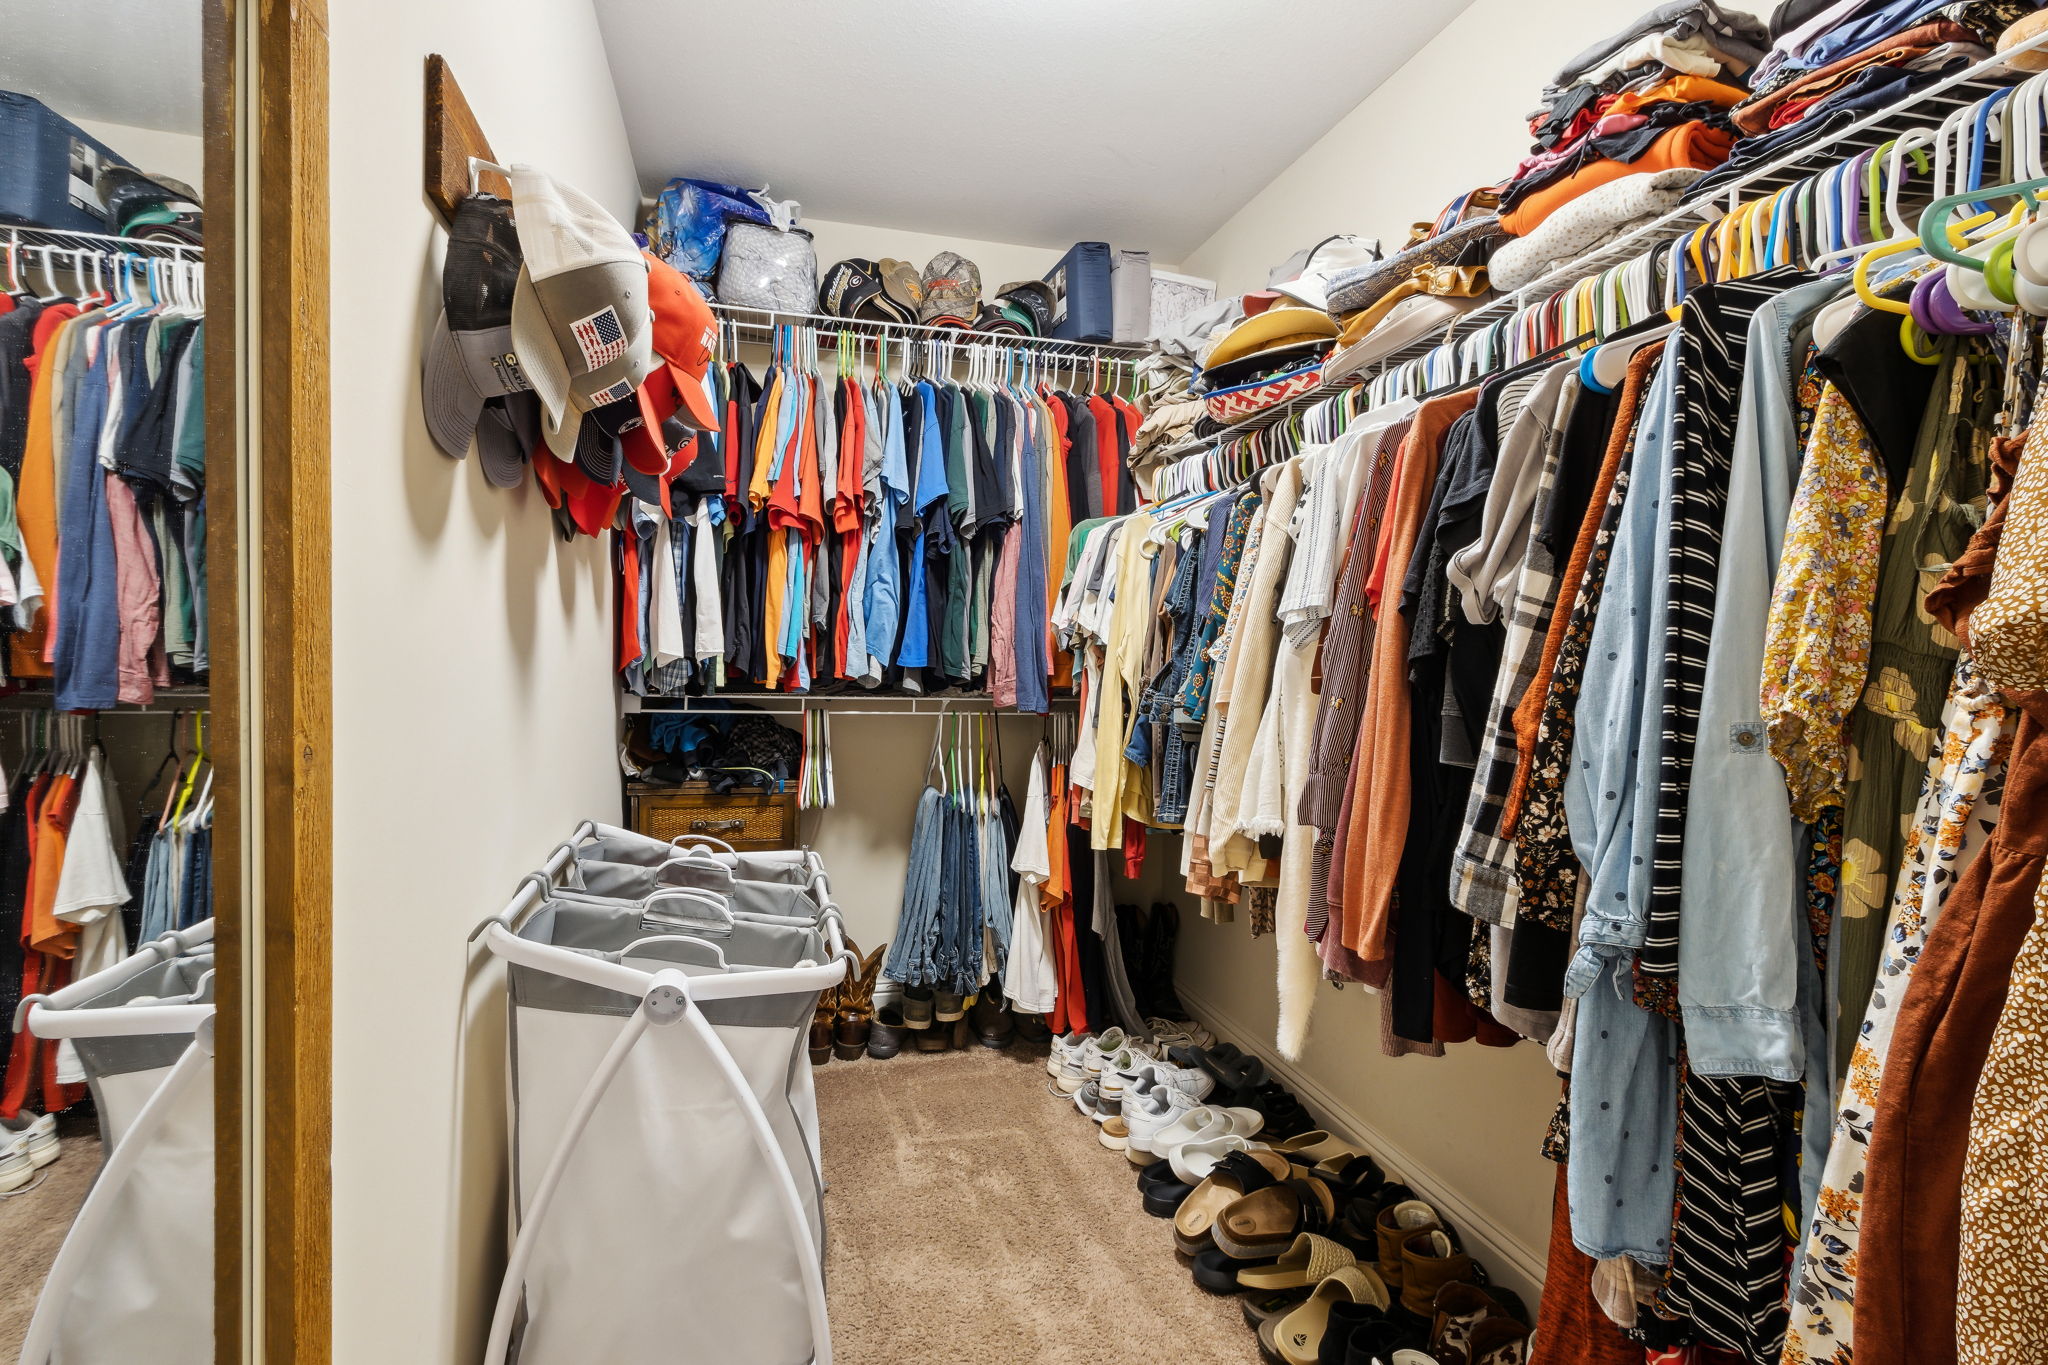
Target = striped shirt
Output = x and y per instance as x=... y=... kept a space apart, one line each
x=1713 y=335
x=1483 y=882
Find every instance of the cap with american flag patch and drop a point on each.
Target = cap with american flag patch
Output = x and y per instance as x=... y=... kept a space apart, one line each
x=581 y=323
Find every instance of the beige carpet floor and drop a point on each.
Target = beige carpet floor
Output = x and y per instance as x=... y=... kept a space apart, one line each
x=33 y=1222
x=973 y=1217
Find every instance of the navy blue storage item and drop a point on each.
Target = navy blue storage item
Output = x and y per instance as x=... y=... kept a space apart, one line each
x=1081 y=309
x=52 y=167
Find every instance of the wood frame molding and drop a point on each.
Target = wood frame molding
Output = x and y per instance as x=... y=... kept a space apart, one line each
x=268 y=443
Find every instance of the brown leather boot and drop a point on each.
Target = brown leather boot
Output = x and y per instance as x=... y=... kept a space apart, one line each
x=1394 y=1225
x=1430 y=1259
x=821 y=1038
x=850 y=1034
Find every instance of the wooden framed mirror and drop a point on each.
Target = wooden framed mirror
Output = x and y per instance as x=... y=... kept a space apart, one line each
x=164 y=714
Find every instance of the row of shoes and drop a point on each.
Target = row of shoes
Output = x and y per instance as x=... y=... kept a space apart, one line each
x=1333 y=1264
x=26 y=1147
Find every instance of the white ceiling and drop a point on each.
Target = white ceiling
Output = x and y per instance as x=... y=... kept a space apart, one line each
x=1146 y=123
x=108 y=61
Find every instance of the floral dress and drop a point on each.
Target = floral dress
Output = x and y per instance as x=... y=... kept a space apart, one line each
x=1958 y=808
x=1897 y=724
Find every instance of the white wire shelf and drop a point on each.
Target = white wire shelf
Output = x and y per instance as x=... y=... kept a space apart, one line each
x=838 y=703
x=106 y=244
x=1925 y=107
x=1928 y=106
x=759 y=324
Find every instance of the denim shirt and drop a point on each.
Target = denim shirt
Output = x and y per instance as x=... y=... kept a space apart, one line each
x=1610 y=791
x=1743 y=926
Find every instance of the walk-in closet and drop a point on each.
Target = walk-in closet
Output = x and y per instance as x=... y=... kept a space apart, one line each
x=1343 y=683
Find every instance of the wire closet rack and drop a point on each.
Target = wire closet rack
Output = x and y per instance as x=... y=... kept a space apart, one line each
x=1928 y=106
x=758 y=326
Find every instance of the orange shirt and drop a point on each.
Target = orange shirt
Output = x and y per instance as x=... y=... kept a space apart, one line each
x=1689 y=144
x=35 y=504
x=1059 y=527
x=40 y=927
x=1379 y=766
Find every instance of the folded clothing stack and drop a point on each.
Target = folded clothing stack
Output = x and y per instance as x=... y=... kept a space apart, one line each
x=1652 y=97
x=1831 y=63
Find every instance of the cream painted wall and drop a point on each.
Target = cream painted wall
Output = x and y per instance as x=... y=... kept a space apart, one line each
x=1452 y=118
x=473 y=706
x=1465 y=1129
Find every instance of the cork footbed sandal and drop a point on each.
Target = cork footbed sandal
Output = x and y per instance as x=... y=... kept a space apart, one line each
x=1236 y=1176
x=1266 y=1222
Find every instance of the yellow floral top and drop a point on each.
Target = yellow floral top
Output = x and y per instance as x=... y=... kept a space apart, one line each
x=1817 y=635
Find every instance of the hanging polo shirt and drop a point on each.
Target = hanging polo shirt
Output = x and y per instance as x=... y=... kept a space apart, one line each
x=88 y=628
x=929 y=490
x=36 y=494
x=889 y=496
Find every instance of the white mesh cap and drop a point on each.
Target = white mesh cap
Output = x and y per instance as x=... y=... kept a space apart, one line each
x=581 y=323
x=561 y=228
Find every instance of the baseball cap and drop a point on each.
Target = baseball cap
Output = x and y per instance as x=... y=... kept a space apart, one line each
x=470 y=356
x=1327 y=259
x=1000 y=320
x=506 y=433
x=589 y=505
x=1033 y=298
x=901 y=283
x=685 y=335
x=580 y=316
x=1265 y=331
x=855 y=288
x=952 y=291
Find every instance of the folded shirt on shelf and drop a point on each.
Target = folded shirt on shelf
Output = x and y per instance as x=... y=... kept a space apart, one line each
x=1699 y=144
x=1847 y=27
x=1738 y=35
x=1766 y=111
x=1872 y=88
x=1594 y=218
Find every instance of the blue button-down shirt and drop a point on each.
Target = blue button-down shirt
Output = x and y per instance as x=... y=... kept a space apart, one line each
x=1742 y=926
x=1610 y=792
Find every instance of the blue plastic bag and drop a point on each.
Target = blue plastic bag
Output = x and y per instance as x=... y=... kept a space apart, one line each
x=690 y=219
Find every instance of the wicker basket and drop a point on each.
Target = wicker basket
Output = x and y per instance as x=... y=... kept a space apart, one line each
x=749 y=819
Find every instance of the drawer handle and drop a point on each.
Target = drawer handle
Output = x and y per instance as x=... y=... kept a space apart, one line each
x=717 y=826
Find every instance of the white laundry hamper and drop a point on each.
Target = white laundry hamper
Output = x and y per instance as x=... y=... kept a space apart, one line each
x=665 y=1193
x=133 y=1280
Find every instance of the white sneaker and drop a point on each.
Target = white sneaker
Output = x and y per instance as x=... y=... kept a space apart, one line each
x=1114 y=1134
x=1061 y=1046
x=1147 y=1115
x=1108 y=1044
x=1120 y=1071
x=43 y=1147
x=1191 y=1081
x=1088 y=1099
x=15 y=1170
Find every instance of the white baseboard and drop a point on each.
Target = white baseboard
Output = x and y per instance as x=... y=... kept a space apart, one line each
x=1510 y=1260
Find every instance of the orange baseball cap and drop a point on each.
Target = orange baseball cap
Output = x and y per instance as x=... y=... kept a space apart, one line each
x=685 y=334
